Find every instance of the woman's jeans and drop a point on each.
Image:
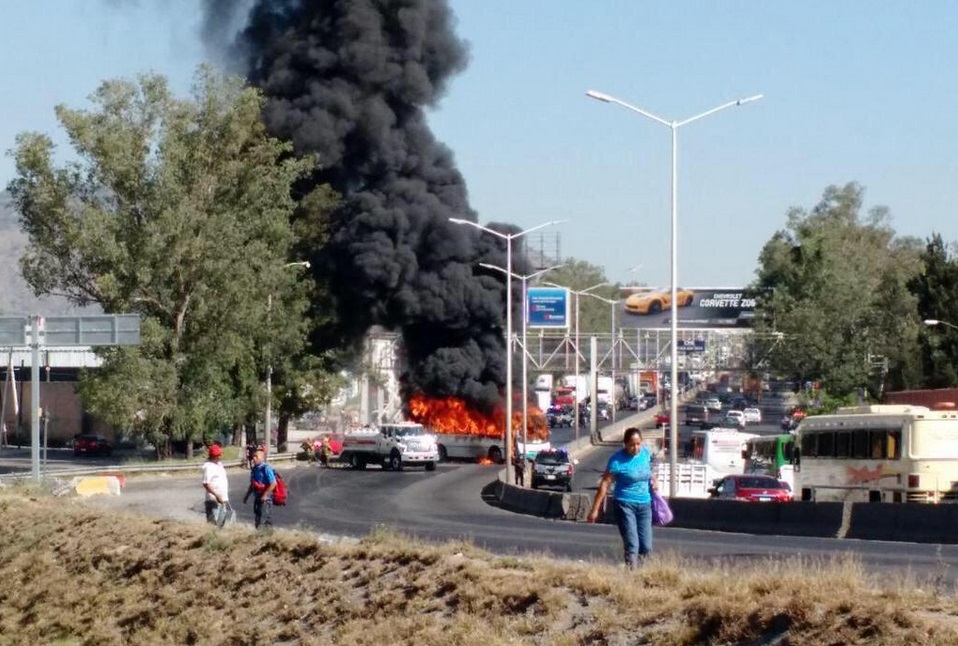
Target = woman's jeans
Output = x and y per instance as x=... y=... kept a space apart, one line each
x=635 y=525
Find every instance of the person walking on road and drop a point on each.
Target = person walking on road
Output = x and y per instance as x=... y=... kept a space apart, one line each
x=215 y=484
x=262 y=481
x=630 y=469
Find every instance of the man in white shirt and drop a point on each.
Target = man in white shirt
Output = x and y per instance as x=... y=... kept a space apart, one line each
x=214 y=481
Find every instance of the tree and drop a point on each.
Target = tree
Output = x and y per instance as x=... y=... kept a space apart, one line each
x=936 y=288
x=179 y=210
x=836 y=289
x=579 y=275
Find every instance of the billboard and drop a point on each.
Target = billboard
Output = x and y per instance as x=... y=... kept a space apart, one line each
x=698 y=307
x=547 y=307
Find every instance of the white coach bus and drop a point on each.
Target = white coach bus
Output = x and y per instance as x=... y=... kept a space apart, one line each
x=879 y=453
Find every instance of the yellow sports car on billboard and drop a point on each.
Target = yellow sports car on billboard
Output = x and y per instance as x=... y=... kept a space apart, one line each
x=656 y=301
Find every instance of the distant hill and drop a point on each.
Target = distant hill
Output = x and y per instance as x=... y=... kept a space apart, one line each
x=16 y=297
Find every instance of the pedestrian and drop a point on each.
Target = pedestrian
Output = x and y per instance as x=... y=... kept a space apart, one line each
x=325 y=451
x=215 y=484
x=630 y=469
x=262 y=481
x=519 y=464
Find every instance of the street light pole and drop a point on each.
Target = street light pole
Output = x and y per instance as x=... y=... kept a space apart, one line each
x=508 y=237
x=612 y=303
x=576 y=395
x=269 y=366
x=673 y=126
x=525 y=351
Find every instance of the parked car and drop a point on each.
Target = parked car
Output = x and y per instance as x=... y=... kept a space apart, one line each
x=714 y=403
x=753 y=415
x=91 y=444
x=736 y=416
x=656 y=301
x=751 y=488
x=553 y=468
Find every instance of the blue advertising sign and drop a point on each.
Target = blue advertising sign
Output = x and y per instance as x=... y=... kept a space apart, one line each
x=547 y=307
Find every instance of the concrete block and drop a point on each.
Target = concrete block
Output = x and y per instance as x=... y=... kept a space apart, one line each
x=98 y=486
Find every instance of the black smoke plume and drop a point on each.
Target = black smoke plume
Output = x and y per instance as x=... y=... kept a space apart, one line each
x=350 y=80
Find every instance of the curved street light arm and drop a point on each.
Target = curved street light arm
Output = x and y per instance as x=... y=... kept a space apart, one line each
x=730 y=104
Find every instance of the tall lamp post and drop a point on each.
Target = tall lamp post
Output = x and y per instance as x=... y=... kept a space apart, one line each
x=508 y=237
x=612 y=303
x=269 y=367
x=577 y=295
x=673 y=126
x=525 y=351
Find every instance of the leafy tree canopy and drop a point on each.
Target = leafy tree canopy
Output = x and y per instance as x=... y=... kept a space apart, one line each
x=837 y=290
x=179 y=210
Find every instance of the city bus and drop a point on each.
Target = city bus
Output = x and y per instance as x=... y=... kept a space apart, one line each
x=720 y=449
x=772 y=455
x=879 y=453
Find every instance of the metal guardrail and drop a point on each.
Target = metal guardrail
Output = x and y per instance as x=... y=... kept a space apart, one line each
x=130 y=468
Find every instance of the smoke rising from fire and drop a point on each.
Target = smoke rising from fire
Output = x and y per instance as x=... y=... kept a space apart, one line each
x=350 y=80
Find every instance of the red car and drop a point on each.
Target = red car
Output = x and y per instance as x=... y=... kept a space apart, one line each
x=751 y=488
x=662 y=419
x=90 y=444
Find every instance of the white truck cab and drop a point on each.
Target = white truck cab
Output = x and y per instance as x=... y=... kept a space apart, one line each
x=394 y=445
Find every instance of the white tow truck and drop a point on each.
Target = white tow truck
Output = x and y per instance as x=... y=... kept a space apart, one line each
x=394 y=446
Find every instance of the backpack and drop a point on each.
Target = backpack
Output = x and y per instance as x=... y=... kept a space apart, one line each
x=280 y=493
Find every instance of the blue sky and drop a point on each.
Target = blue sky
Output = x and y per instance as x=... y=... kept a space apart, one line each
x=854 y=91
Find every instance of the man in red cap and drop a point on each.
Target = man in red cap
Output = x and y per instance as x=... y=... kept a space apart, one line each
x=214 y=481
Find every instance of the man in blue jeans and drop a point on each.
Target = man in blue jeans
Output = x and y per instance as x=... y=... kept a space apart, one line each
x=630 y=468
x=262 y=481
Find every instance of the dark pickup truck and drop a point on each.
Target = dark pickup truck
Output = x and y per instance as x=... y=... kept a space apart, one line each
x=696 y=415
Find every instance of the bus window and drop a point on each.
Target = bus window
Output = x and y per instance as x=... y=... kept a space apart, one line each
x=878 y=441
x=810 y=444
x=860 y=444
x=842 y=445
x=894 y=445
x=826 y=445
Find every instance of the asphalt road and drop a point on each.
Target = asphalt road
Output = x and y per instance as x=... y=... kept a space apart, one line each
x=449 y=504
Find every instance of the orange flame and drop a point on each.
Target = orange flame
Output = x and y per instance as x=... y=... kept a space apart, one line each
x=448 y=415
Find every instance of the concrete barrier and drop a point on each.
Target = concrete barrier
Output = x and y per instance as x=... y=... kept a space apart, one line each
x=918 y=523
x=98 y=486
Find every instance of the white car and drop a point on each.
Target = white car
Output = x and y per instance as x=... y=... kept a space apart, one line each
x=714 y=403
x=753 y=415
x=737 y=416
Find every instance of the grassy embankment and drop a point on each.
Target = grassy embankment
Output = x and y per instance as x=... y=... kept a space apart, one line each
x=71 y=574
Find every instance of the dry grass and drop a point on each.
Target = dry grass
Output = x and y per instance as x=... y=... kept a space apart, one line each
x=70 y=574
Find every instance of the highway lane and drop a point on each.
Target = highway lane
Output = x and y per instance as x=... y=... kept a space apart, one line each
x=448 y=504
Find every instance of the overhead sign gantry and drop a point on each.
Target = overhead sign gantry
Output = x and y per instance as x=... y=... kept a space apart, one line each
x=34 y=332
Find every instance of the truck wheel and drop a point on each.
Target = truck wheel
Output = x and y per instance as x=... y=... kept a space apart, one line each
x=443 y=454
x=395 y=461
x=495 y=454
x=430 y=466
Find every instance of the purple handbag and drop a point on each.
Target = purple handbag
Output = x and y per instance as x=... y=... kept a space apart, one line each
x=661 y=512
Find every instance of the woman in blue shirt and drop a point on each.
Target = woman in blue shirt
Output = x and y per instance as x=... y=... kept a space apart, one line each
x=630 y=468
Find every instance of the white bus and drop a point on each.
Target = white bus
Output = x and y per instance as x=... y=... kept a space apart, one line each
x=721 y=450
x=465 y=446
x=879 y=453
